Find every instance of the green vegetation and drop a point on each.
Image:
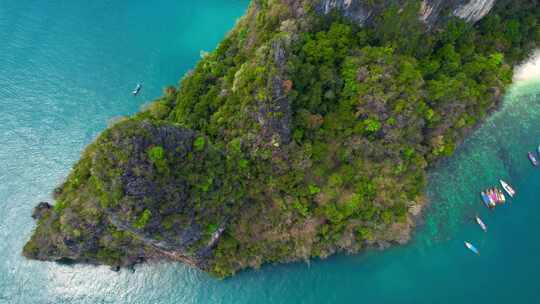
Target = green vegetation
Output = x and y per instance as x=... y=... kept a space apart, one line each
x=199 y=143
x=157 y=156
x=301 y=136
x=143 y=219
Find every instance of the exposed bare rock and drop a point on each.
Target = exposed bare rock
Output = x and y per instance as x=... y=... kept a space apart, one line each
x=362 y=11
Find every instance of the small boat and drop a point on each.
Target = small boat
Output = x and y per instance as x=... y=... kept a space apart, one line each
x=538 y=150
x=137 y=89
x=487 y=200
x=481 y=223
x=533 y=159
x=501 y=199
x=508 y=188
x=472 y=248
x=493 y=196
x=496 y=196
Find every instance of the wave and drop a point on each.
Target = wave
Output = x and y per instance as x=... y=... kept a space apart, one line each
x=529 y=70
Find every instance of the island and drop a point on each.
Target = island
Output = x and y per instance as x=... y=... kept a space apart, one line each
x=308 y=131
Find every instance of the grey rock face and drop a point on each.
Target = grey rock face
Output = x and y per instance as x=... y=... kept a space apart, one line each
x=474 y=10
x=469 y=10
x=356 y=10
x=361 y=11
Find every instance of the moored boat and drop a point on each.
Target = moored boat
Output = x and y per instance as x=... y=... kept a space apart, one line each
x=500 y=196
x=492 y=197
x=487 y=200
x=508 y=188
x=533 y=159
x=472 y=248
x=481 y=223
x=137 y=89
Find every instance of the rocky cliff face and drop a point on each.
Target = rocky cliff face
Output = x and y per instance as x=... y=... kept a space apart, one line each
x=474 y=10
x=362 y=11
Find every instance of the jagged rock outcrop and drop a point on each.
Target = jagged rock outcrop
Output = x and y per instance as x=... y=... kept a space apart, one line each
x=274 y=115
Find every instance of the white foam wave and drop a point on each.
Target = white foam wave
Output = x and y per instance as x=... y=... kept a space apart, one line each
x=529 y=70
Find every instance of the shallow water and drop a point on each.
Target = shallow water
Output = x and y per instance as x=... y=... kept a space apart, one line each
x=66 y=69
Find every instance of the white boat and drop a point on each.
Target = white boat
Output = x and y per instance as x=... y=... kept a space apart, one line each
x=533 y=159
x=481 y=223
x=472 y=248
x=508 y=188
x=137 y=89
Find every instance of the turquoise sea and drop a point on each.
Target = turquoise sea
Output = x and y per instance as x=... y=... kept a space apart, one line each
x=66 y=70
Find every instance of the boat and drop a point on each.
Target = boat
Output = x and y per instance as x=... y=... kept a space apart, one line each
x=137 y=89
x=533 y=159
x=493 y=196
x=508 y=188
x=487 y=200
x=496 y=196
x=481 y=223
x=472 y=248
x=538 y=150
x=500 y=196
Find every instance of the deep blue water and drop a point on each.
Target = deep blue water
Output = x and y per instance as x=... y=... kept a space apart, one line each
x=66 y=69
